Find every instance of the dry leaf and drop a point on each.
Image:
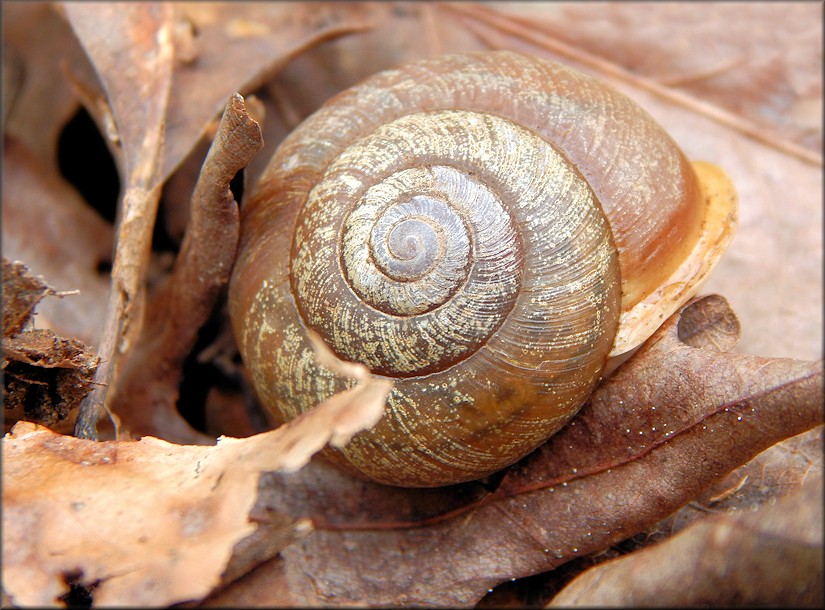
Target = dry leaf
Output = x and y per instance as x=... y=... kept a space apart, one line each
x=716 y=562
x=153 y=523
x=144 y=397
x=130 y=47
x=747 y=65
x=38 y=99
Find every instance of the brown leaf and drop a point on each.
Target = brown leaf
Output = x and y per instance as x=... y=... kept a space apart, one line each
x=762 y=481
x=130 y=46
x=671 y=421
x=47 y=224
x=772 y=557
x=154 y=523
x=746 y=66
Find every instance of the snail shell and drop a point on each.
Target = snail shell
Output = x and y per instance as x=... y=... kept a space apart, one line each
x=486 y=229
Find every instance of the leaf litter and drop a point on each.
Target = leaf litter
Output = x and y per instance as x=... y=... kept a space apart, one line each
x=374 y=543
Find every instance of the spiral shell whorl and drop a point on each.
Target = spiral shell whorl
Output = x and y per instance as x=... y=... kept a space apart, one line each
x=408 y=257
x=507 y=265
x=446 y=309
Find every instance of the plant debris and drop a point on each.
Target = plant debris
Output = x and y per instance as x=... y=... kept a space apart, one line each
x=45 y=376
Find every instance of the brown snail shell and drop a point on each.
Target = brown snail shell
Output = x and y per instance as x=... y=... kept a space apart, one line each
x=486 y=229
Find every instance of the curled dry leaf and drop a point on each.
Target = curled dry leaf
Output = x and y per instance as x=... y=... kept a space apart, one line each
x=45 y=376
x=153 y=523
x=670 y=422
x=144 y=397
x=772 y=557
